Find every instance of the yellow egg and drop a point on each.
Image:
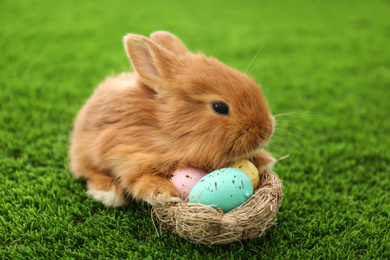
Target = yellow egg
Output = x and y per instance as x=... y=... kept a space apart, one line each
x=250 y=170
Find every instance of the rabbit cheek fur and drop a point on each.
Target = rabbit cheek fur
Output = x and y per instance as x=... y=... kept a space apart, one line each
x=138 y=127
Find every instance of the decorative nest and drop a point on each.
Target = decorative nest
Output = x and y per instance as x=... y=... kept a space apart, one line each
x=203 y=224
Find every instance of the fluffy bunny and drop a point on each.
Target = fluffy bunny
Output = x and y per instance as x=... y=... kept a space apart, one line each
x=178 y=109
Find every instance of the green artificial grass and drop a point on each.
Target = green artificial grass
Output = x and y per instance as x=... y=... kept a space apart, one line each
x=325 y=62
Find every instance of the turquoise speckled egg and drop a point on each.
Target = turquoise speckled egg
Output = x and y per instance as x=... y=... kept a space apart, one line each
x=226 y=188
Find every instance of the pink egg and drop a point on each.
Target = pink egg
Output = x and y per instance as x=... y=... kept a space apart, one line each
x=185 y=179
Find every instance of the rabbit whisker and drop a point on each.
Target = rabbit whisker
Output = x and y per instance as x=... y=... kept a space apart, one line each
x=250 y=63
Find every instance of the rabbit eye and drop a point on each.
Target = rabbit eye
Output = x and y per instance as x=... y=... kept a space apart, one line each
x=221 y=108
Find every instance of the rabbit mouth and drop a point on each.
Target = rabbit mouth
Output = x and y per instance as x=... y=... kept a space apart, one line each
x=250 y=141
x=245 y=144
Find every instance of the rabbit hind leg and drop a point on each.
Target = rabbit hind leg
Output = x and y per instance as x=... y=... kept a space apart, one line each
x=104 y=188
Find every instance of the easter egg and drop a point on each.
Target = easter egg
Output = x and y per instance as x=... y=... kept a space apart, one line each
x=185 y=179
x=250 y=169
x=226 y=188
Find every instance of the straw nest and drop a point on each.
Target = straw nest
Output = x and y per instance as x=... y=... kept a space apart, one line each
x=203 y=224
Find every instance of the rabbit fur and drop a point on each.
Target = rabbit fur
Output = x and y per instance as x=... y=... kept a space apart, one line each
x=138 y=127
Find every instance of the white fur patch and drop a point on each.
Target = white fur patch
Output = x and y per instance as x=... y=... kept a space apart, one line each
x=108 y=198
x=125 y=80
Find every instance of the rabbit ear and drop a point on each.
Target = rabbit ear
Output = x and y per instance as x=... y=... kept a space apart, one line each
x=152 y=62
x=169 y=42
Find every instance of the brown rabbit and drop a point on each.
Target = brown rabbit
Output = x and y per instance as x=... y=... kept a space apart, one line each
x=178 y=109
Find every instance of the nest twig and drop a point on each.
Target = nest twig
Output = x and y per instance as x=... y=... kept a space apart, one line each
x=205 y=225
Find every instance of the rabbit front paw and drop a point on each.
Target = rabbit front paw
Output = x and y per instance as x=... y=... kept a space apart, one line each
x=264 y=161
x=161 y=200
x=154 y=190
